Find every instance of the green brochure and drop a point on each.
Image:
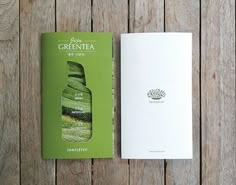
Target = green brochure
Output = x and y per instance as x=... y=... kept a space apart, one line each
x=77 y=95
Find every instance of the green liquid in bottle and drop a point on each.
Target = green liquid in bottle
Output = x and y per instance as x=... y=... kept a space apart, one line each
x=76 y=103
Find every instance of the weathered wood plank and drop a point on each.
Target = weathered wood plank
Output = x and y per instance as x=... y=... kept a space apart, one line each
x=9 y=92
x=218 y=92
x=74 y=172
x=183 y=16
x=73 y=16
x=35 y=17
x=112 y=15
x=146 y=16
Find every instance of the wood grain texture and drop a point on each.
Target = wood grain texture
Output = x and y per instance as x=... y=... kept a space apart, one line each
x=112 y=16
x=218 y=92
x=183 y=16
x=146 y=16
x=35 y=17
x=73 y=16
x=9 y=92
x=74 y=172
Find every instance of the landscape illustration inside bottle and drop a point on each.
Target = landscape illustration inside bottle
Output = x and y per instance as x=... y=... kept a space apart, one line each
x=76 y=103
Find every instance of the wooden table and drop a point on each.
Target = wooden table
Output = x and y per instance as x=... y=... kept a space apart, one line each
x=214 y=127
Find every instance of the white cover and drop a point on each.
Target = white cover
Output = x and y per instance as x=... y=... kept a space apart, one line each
x=156 y=129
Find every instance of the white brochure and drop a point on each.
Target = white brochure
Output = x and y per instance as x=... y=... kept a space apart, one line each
x=156 y=96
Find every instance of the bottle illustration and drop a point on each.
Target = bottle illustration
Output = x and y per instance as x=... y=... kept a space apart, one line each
x=76 y=104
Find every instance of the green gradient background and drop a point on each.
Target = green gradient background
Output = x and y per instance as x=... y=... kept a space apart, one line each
x=98 y=71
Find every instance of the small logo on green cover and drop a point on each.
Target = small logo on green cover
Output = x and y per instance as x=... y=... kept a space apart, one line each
x=156 y=94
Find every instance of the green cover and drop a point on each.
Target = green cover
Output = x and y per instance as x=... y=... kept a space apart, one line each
x=77 y=95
